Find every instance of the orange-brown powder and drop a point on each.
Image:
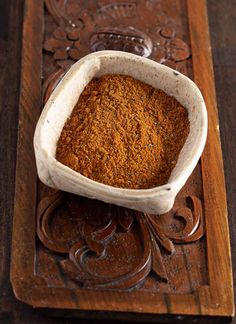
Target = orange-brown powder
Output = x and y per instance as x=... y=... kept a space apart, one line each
x=124 y=133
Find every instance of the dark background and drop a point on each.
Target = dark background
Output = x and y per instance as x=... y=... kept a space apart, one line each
x=222 y=23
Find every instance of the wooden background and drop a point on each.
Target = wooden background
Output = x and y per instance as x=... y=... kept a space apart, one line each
x=222 y=27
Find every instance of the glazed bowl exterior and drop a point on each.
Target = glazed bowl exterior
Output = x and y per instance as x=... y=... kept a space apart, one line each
x=157 y=200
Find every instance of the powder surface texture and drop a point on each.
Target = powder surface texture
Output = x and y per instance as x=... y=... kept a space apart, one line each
x=124 y=133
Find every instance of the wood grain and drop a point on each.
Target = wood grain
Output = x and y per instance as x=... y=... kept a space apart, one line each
x=28 y=314
x=224 y=59
x=10 y=47
x=30 y=102
x=214 y=193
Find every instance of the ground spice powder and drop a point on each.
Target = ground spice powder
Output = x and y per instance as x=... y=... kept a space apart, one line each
x=124 y=133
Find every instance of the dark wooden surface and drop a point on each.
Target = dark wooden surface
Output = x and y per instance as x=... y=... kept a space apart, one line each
x=222 y=22
x=132 y=251
x=222 y=26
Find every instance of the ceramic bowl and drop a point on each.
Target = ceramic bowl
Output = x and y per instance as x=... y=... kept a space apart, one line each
x=58 y=108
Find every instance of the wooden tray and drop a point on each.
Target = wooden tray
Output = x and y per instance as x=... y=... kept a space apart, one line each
x=94 y=259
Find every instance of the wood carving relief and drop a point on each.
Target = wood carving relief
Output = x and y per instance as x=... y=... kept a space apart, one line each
x=96 y=245
x=107 y=25
x=92 y=234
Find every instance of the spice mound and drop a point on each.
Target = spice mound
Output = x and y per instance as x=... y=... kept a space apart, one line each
x=124 y=133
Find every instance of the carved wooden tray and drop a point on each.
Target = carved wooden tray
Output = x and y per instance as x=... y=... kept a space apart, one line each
x=73 y=253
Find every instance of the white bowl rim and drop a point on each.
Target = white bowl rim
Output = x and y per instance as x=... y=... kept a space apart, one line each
x=173 y=186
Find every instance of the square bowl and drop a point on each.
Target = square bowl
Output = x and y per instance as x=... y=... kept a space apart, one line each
x=157 y=200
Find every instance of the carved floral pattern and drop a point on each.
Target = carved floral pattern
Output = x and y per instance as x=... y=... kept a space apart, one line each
x=114 y=27
x=64 y=45
x=90 y=229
